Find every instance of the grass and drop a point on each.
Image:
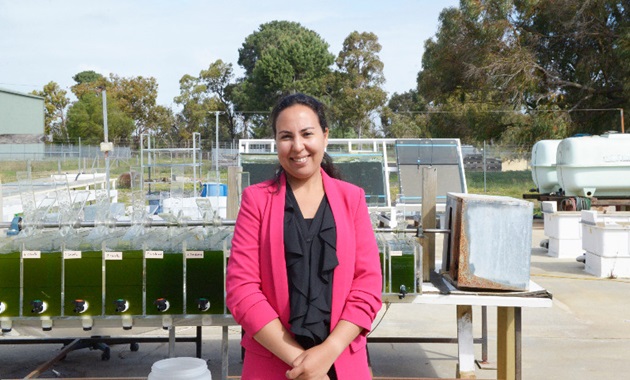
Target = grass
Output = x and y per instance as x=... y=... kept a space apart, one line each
x=510 y=184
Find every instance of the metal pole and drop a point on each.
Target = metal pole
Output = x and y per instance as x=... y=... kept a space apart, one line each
x=216 y=162
x=216 y=136
x=622 y=127
x=105 y=133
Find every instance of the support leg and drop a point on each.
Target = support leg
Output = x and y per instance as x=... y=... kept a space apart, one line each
x=224 y=353
x=198 y=341
x=506 y=343
x=465 y=343
x=484 y=334
x=171 y=341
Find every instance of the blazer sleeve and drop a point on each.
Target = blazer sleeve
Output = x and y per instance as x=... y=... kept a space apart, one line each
x=364 y=299
x=244 y=296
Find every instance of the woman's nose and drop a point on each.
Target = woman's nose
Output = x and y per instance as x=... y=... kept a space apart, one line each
x=298 y=144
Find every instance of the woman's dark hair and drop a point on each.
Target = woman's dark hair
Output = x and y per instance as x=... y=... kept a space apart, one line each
x=320 y=111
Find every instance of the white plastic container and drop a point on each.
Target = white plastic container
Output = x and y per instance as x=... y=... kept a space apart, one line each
x=594 y=165
x=544 y=166
x=183 y=368
x=563 y=230
x=606 y=235
x=614 y=267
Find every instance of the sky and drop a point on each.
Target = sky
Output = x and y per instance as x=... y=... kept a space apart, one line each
x=52 y=40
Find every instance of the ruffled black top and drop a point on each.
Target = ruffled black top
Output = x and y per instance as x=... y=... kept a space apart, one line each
x=311 y=256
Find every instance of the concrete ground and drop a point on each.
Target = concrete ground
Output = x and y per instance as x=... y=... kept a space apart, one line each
x=585 y=335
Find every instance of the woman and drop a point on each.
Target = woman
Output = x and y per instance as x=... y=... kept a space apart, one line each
x=304 y=279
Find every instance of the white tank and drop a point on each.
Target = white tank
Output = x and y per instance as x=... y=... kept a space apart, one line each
x=544 y=166
x=594 y=165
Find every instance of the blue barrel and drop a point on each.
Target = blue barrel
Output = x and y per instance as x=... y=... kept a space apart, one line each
x=212 y=189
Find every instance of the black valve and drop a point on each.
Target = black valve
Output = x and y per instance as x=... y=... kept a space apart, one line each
x=38 y=306
x=80 y=306
x=203 y=304
x=121 y=305
x=162 y=304
x=403 y=292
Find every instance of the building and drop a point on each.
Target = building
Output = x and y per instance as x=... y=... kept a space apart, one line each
x=21 y=125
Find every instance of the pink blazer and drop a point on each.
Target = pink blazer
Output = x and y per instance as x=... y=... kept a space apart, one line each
x=257 y=284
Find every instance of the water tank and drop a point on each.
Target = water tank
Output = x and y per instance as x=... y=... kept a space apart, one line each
x=544 y=166
x=594 y=165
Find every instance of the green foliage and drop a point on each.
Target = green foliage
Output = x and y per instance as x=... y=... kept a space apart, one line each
x=85 y=120
x=55 y=104
x=355 y=90
x=281 y=57
x=512 y=70
x=405 y=116
x=135 y=97
x=199 y=105
x=87 y=77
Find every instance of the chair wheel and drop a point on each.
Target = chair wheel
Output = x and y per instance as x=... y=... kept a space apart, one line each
x=134 y=346
x=106 y=354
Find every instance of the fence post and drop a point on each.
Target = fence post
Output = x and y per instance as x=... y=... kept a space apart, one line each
x=484 y=167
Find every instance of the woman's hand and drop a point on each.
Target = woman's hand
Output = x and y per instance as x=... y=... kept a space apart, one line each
x=313 y=364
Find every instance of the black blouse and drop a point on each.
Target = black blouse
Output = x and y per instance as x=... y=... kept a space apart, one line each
x=311 y=256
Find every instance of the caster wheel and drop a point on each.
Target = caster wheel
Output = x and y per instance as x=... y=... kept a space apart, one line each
x=134 y=346
x=106 y=354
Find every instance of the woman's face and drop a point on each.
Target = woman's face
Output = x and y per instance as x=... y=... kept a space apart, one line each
x=300 y=142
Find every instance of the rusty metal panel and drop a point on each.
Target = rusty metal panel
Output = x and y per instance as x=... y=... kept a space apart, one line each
x=490 y=242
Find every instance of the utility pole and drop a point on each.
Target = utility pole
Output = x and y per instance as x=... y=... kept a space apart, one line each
x=106 y=146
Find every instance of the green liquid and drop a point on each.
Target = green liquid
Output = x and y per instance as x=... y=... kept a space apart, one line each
x=165 y=279
x=123 y=280
x=10 y=283
x=403 y=272
x=83 y=279
x=205 y=278
x=42 y=281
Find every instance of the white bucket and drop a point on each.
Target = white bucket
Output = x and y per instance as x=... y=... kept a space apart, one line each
x=180 y=369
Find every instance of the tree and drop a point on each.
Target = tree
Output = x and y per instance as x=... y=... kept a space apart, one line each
x=219 y=82
x=87 y=82
x=356 y=90
x=55 y=104
x=280 y=57
x=539 y=59
x=405 y=116
x=85 y=120
x=137 y=98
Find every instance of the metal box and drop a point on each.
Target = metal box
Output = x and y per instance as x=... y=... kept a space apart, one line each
x=489 y=246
